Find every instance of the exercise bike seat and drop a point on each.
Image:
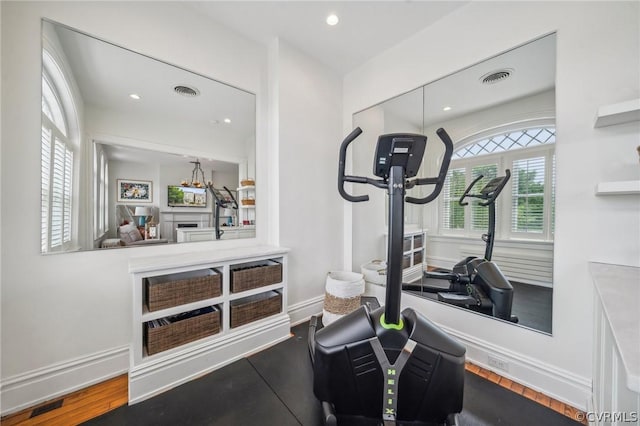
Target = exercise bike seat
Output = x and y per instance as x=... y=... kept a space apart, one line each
x=346 y=364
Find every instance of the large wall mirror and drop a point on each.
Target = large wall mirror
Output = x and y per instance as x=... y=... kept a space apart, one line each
x=500 y=114
x=136 y=151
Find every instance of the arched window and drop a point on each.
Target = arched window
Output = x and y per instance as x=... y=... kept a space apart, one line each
x=527 y=207
x=57 y=164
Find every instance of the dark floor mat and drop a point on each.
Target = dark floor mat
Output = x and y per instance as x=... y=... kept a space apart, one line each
x=531 y=304
x=275 y=387
x=233 y=395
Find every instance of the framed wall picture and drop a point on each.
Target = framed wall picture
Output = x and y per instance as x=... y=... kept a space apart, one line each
x=138 y=191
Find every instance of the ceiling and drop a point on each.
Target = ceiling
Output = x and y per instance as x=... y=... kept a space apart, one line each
x=366 y=28
x=106 y=73
x=532 y=67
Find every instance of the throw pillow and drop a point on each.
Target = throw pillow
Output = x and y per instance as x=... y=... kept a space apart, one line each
x=129 y=233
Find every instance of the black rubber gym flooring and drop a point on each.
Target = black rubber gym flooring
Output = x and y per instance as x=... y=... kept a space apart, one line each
x=274 y=387
x=531 y=304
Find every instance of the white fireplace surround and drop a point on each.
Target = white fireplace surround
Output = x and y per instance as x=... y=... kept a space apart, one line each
x=171 y=220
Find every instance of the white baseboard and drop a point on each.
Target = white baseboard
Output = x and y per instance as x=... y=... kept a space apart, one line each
x=552 y=381
x=302 y=311
x=37 y=386
x=441 y=262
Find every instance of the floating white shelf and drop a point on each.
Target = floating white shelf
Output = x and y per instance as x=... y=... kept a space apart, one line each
x=628 y=187
x=246 y=188
x=623 y=112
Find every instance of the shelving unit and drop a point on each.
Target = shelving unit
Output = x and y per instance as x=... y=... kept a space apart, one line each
x=413 y=254
x=268 y=322
x=610 y=115
x=246 y=212
x=629 y=187
x=623 y=112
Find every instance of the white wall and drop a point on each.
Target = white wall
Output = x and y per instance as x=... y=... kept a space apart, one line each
x=63 y=315
x=308 y=99
x=597 y=63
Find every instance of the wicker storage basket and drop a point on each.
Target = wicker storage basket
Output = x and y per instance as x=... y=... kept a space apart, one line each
x=166 y=291
x=255 y=274
x=248 y=182
x=417 y=257
x=253 y=308
x=417 y=241
x=406 y=261
x=406 y=244
x=248 y=202
x=166 y=333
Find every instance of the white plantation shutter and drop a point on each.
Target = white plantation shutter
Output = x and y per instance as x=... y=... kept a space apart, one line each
x=57 y=162
x=45 y=179
x=529 y=211
x=528 y=187
x=452 y=212
x=480 y=214
x=68 y=194
x=553 y=194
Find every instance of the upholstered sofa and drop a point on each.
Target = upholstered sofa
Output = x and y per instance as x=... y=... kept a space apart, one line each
x=130 y=236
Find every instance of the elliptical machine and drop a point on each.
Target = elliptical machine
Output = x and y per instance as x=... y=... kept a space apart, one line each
x=384 y=365
x=474 y=283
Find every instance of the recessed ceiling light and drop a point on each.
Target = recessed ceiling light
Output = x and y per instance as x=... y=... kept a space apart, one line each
x=134 y=96
x=332 y=20
x=447 y=108
x=227 y=120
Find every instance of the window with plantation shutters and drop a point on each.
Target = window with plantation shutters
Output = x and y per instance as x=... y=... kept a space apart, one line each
x=452 y=212
x=525 y=209
x=479 y=214
x=100 y=191
x=527 y=195
x=56 y=172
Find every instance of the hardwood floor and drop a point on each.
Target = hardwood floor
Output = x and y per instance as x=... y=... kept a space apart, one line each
x=77 y=407
x=538 y=397
x=96 y=400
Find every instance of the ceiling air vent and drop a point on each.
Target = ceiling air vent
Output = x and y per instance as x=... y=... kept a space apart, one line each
x=496 y=76
x=187 y=91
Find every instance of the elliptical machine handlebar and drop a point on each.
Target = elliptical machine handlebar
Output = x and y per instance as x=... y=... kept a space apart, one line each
x=380 y=183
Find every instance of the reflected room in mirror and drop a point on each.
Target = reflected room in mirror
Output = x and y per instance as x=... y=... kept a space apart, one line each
x=112 y=116
x=485 y=244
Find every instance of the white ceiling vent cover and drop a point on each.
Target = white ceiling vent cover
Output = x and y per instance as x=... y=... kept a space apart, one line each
x=187 y=91
x=496 y=76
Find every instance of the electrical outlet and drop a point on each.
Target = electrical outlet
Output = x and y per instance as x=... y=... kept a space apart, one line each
x=498 y=363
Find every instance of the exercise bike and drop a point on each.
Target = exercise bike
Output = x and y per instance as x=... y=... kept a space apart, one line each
x=383 y=365
x=474 y=283
x=221 y=202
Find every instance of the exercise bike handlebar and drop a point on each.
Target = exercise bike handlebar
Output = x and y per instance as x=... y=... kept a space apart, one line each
x=342 y=178
x=488 y=199
x=437 y=181
x=499 y=188
x=466 y=192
